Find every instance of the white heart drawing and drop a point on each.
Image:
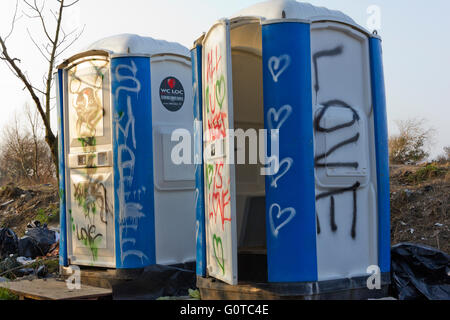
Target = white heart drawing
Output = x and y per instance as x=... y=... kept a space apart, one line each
x=276 y=116
x=277 y=176
x=197 y=195
x=276 y=67
x=276 y=231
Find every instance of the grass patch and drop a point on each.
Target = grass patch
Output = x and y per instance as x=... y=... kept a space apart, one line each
x=428 y=172
x=48 y=216
x=5 y=294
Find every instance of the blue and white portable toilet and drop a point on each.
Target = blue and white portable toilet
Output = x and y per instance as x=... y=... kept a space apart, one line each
x=124 y=203
x=317 y=76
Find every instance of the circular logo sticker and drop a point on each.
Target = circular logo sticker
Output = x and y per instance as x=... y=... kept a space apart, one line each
x=171 y=94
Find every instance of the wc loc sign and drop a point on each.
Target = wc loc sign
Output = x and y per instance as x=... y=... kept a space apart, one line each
x=171 y=93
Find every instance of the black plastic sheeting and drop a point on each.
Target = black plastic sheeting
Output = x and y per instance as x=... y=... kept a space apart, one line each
x=8 y=243
x=158 y=281
x=420 y=273
x=36 y=243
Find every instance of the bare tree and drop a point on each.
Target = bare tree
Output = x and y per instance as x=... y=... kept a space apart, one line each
x=57 y=40
x=24 y=155
x=35 y=131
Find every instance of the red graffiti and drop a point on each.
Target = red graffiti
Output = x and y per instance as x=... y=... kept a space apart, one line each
x=213 y=62
x=219 y=197
x=217 y=126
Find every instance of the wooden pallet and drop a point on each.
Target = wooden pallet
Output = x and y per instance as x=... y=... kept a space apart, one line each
x=53 y=289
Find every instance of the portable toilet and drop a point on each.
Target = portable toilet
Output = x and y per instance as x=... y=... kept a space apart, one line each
x=124 y=203
x=320 y=222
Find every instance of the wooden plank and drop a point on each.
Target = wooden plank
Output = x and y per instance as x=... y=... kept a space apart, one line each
x=53 y=289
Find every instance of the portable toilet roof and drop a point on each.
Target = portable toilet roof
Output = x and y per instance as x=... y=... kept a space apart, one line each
x=130 y=44
x=291 y=9
x=135 y=44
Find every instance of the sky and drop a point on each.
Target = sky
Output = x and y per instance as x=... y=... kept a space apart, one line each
x=415 y=46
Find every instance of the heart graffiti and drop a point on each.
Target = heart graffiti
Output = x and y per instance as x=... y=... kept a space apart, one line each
x=220 y=91
x=276 y=119
x=217 y=244
x=286 y=164
x=209 y=175
x=278 y=65
x=275 y=208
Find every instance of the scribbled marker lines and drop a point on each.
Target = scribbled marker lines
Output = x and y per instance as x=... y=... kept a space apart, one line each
x=130 y=212
x=320 y=54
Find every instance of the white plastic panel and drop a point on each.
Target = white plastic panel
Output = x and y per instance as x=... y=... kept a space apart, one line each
x=174 y=184
x=90 y=197
x=345 y=152
x=91 y=219
x=220 y=189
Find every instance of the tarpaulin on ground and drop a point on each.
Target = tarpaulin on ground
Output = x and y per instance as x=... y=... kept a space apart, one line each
x=420 y=272
x=158 y=281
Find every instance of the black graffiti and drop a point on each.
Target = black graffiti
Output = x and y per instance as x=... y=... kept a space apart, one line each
x=92 y=198
x=88 y=234
x=355 y=165
x=319 y=128
x=333 y=193
x=320 y=54
x=334 y=104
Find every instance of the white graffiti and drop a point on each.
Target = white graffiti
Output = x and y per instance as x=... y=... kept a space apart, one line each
x=287 y=164
x=276 y=119
x=129 y=212
x=133 y=69
x=275 y=208
x=278 y=65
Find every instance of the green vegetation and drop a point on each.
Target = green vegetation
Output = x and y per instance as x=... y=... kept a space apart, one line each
x=49 y=215
x=428 y=172
x=5 y=294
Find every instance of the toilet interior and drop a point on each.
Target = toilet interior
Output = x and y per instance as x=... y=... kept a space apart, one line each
x=246 y=46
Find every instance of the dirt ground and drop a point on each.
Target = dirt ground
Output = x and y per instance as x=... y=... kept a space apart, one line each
x=420 y=205
x=20 y=206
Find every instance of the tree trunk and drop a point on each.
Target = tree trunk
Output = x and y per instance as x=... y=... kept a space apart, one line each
x=52 y=142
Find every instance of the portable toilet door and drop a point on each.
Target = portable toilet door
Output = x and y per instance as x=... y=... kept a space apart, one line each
x=315 y=76
x=124 y=203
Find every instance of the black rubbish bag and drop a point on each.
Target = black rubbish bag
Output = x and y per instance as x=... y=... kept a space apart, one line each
x=8 y=243
x=158 y=281
x=37 y=242
x=29 y=248
x=420 y=273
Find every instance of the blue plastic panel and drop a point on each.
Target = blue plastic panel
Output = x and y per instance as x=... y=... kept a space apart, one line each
x=62 y=173
x=133 y=162
x=290 y=194
x=382 y=150
x=196 y=55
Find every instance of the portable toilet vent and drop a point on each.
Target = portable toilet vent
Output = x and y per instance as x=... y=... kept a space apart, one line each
x=323 y=215
x=124 y=203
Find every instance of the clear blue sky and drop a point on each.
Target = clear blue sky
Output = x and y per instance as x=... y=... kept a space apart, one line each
x=415 y=38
